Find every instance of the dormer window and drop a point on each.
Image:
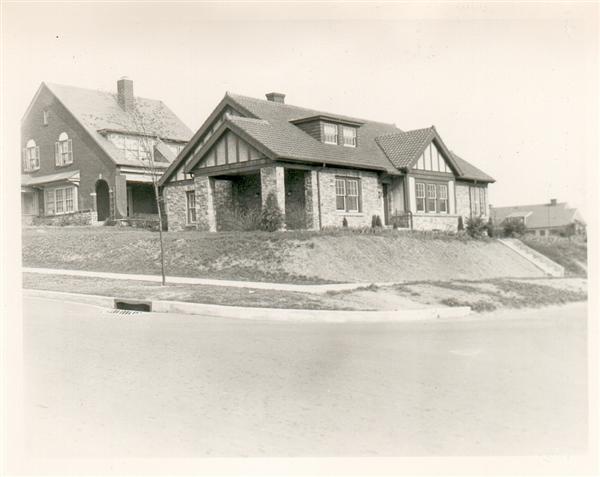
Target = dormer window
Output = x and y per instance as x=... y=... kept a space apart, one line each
x=330 y=133
x=349 y=136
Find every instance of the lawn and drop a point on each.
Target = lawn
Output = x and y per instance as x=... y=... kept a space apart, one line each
x=571 y=253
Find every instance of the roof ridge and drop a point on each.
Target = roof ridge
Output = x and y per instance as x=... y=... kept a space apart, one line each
x=319 y=111
x=96 y=90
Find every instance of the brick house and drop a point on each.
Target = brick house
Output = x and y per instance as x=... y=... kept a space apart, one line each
x=321 y=167
x=83 y=153
x=552 y=218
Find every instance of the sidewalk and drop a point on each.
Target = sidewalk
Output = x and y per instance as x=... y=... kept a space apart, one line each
x=204 y=281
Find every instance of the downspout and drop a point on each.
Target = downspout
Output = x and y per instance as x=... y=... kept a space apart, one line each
x=319 y=197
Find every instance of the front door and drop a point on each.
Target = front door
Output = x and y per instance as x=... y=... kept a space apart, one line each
x=386 y=204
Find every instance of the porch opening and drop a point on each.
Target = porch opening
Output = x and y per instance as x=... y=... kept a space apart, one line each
x=140 y=200
x=102 y=200
x=295 y=199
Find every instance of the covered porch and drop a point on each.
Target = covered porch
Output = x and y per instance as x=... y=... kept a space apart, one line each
x=233 y=199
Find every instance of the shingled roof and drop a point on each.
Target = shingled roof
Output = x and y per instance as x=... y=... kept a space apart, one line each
x=270 y=124
x=100 y=111
x=539 y=215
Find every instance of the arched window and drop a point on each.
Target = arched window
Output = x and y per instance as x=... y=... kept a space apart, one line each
x=31 y=156
x=63 y=150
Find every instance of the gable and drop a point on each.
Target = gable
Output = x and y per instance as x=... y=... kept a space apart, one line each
x=432 y=160
x=228 y=149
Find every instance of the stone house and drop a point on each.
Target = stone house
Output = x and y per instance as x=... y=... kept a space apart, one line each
x=322 y=168
x=84 y=153
x=552 y=218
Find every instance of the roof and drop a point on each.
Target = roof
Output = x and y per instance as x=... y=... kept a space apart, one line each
x=538 y=215
x=469 y=171
x=272 y=125
x=71 y=176
x=100 y=111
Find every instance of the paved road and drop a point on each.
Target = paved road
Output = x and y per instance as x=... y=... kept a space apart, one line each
x=101 y=384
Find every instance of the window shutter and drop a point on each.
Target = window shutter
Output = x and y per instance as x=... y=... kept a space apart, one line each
x=70 y=150
x=37 y=157
x=24 y=159
x=56 y=154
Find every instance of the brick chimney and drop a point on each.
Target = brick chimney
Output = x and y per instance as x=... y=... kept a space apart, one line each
x=125 y=93
x=276 y=97
x=552 y=201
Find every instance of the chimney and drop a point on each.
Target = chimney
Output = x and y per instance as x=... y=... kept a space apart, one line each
x=276 y=97
x=552 y=201
x=125 y=93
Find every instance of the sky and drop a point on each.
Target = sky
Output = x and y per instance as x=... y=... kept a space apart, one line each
x=512 y=88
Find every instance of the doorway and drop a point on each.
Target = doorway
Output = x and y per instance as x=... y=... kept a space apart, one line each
x=102 y=200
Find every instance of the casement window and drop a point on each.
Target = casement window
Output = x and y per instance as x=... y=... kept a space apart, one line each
x=63 y=150
x=349 y=136
x=31 y=157
x=420 y=196
x=330 y=133
x=431 y=198
x=60 y=200
x=478 y=201
x=347 y=194
x=443 y=199
x=191 y=206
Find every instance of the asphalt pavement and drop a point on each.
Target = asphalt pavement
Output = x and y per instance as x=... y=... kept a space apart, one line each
x=104 y=384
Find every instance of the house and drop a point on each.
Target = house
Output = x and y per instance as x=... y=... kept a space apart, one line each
x=85 y=153
x=552 y=218
x=322 y=168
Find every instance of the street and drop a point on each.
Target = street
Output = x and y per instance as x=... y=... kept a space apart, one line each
x=102 y=384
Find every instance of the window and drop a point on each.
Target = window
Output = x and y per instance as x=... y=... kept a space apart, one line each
x=45 y=117
x=63 y=150
x=420 y=194
x=134 y=147
x=330 y=132
x=61 y=200
x=431 y=197
x=478 y=202
x=347 y=194
x=349 y=136
x=443 y=202
x=191 y=206
x=31 y=159
x=482 y=204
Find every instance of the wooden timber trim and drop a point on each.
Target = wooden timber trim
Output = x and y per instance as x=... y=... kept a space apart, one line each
x=227 y=169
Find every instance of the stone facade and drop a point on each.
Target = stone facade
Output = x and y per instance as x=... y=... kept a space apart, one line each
x=205 y=203
x=272 y=180
x=310 y=200
x=443 y=222
x=81 y=217
x=463 y=202
x=175 y=204
x=371 y=198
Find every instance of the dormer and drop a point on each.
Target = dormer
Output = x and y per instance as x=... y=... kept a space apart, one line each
x=330 y=130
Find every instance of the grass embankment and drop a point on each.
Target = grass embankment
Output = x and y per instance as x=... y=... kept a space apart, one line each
x=571 y=253
x=288 y=257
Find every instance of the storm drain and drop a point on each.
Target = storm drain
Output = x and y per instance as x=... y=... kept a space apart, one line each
x=133 y=305
x=123 y=312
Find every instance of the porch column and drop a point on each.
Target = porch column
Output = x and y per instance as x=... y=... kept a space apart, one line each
x=119 y=205
x=311 y=195
x=205 y=203
x=272 y=180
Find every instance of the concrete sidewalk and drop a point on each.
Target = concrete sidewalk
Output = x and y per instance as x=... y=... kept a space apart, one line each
x=203 y=281
x=264 y=314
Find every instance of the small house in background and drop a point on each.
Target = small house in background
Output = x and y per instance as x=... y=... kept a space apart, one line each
x=552 y=218
x=84 y=157
x=323 y=170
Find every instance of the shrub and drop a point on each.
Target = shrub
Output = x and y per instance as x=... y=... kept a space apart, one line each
x=476 y=227
x=513 y=228
x=238 y=220
x=461 y=226
x=376 y=221
x=345 y=222
x=490 y=228
x=271 y=218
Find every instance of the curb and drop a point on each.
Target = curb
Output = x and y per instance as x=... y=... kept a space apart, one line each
x=265 y=314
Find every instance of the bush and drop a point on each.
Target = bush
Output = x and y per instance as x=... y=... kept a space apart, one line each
x=271 y=218
x=513 y=228
x=376 y=221
x=238 y=220
x=461 y=226
x=476 y=227
x=345 y=223
x=490 y=228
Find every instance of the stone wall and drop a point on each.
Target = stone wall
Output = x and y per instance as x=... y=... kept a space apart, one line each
x=81 y=217
x=463 y=203
x=371 y=193
x=205 y=203
x=174 y=195
x=444 y=222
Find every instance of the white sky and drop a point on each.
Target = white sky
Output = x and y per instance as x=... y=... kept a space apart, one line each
x=511 y=88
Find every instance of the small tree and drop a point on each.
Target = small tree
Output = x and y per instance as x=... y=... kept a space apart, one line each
x=490 y=228
x=461 y=226
x=345 y=222
x=271 y=218
x=476 y=227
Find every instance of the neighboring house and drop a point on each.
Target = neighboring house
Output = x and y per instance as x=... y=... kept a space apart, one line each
x=321 y=168
x=83 y=153
x=553 y=218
